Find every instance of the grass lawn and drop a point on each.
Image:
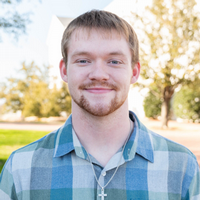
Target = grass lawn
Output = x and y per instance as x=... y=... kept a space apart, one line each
x=10 y=140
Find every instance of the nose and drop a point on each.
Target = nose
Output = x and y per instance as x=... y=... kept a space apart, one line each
x=99 y=71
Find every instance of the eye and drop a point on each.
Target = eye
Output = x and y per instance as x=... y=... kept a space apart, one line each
x=82 y=61
x=115 y=62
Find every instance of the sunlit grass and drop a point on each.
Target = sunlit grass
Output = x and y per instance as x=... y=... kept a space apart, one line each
x=11 y=140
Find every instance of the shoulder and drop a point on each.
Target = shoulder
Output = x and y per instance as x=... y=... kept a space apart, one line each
x=177 y=163
x=32 y=154
x=175 y=156
x=163 y=149
x=17 y=171
x=46 y=142
x=161 y=143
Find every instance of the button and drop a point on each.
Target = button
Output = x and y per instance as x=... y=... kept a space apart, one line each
x=104 y=173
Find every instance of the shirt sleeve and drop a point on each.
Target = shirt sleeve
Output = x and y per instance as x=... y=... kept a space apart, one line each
x=7 y=187
x=194 y=188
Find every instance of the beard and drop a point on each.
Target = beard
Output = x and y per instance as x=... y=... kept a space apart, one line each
x=99 y=109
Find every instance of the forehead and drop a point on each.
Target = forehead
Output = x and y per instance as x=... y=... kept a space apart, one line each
x=87 y=33
x=96 y=40
x=98 y=44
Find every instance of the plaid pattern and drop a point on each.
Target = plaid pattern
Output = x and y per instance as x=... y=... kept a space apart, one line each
x=56 y=167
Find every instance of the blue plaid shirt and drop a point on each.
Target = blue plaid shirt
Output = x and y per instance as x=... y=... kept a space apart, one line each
x=56 y=167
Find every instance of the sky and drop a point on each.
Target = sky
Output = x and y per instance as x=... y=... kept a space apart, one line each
x=32 y=46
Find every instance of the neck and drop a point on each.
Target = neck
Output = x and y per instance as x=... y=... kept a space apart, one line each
x=102 y=137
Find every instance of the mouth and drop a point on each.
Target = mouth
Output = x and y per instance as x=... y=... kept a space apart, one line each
x=98 y=90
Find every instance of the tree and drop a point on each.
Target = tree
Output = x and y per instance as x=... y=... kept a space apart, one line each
x=11 y=21
x=187 y=102
x=63 y=99
x=31 y=93
x=170 y=46
x=152 y=103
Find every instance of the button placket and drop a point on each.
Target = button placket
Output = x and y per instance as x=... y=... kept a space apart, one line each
x=103 y=173
x=102 y=182
x=102 y=178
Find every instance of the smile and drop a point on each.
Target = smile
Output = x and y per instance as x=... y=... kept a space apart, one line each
x=98 y=90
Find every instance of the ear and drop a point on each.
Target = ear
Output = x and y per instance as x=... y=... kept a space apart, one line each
x=63 y=71
x=135 y=73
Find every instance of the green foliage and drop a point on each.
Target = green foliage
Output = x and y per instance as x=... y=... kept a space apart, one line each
x=152 y=104
x=63 y=99
x=11 y=21
x=32 y=95
x=169 y=34
x=187 y=102
x=14 y=139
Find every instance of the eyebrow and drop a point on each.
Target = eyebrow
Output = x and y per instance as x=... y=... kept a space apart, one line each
x=80 y=53
x=85 y=53
x=116 y=53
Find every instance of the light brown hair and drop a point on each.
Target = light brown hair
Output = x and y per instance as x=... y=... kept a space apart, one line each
x=106 y=21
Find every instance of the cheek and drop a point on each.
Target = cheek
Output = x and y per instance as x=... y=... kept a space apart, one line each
x=126 y=83
x=75 y=80
x=72 y=82
x=72 y=76
x=123 y=79
x=77 y=74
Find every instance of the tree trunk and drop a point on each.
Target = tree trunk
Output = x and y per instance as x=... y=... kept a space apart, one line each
x=165 y=113
x=165 y=109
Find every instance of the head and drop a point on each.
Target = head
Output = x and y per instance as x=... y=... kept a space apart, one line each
x=100 y=61
x=106 y=22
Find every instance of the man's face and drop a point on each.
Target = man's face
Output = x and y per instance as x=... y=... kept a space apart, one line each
x=99 y=71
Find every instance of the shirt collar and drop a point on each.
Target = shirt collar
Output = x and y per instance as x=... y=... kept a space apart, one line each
x=139 y=141
x=64 y=139
x=67 y=141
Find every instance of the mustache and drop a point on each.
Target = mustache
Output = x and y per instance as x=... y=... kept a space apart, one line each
x=98 y=84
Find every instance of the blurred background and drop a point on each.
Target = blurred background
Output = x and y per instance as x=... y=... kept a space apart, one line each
x=33 y=97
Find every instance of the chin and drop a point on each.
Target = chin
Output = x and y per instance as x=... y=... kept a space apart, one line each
x=99 y=109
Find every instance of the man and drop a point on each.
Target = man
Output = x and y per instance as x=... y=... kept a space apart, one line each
x=102 y=151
